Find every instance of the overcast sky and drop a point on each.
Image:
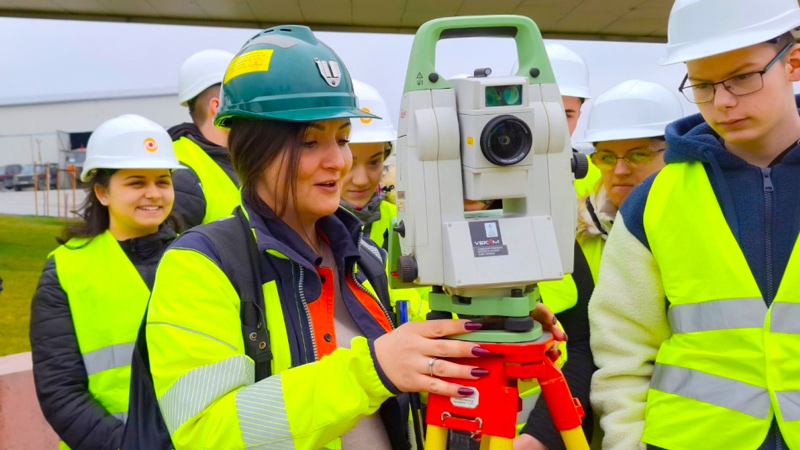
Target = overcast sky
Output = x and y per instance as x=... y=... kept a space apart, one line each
x=56 y=59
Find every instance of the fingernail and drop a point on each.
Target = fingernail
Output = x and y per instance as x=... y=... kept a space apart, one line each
x=479 y=372
x=554 y=320
x=566 y=338
x=465 y=391
x=472 y=326
x=480 y=351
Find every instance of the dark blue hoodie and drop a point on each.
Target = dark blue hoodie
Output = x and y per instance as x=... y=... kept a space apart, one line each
x=761 y=206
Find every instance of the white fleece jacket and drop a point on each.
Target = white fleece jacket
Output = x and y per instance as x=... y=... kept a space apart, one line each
x=628 y=323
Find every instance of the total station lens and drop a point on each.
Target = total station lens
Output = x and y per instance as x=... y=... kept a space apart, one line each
x=506 y=140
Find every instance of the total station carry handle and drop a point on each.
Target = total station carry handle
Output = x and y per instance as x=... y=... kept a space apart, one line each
x=531 y=54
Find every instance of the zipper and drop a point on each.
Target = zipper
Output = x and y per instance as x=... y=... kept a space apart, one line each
x=377 y=300
x=308 y=313
x=768 y=189
x=355 y=280
x=374 y=297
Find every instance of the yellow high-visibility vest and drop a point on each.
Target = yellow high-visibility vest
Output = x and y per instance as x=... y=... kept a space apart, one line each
x=107 y=300
x=221 y=194
x=732 y=363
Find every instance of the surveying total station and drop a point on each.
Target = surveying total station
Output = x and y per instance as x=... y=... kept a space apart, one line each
x=487 y=138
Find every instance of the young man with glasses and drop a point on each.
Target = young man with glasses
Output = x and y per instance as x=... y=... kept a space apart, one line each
x=696 y=318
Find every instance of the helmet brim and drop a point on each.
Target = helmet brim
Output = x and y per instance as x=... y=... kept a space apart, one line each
x=88 y=171
x=296 y=115
x=618 y=134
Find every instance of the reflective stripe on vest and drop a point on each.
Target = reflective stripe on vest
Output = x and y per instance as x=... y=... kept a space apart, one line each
x=785 y=318
x=718 y=315
x=107 y=300
x=107 y=358
x=789 y=402
x=708 y=388
x=220 y=192
x=731 y=361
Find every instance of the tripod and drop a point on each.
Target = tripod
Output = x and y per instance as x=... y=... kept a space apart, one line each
x=490 y=414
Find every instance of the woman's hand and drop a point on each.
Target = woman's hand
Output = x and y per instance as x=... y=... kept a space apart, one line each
x=410 y=353
x=544 y=316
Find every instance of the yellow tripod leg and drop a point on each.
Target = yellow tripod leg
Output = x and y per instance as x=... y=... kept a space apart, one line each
x=436 y=438
x=496 y=443
x=574 y=439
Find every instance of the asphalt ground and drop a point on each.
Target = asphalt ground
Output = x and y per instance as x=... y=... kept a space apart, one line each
x=41 y=203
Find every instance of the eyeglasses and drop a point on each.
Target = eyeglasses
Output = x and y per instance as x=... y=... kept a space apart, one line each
x=606 y=160
x=743 y=84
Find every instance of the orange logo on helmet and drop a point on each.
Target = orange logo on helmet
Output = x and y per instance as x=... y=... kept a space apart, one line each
x=365 y=119
x=150 y=144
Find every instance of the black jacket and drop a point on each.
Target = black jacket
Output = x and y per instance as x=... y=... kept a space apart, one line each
x=59 y=373
x=190 y=202
x=578 y=369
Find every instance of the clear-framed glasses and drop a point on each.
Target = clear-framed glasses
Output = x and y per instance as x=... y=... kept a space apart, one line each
x=743 y=84
x=607 y=160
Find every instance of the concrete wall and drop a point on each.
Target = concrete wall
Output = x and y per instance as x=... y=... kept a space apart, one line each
x=22 y=426
x=21 y=126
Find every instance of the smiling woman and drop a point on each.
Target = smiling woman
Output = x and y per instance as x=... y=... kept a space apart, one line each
x=93 y=291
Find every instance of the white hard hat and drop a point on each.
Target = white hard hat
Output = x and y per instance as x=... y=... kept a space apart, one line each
x=570 y=70
x=701 y=28
x=364 y=129
x=129 y=142
x=630 y=110
x=201 y=71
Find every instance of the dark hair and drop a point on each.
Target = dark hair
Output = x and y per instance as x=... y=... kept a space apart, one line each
x=198 y=106
x=254 y=145
x=94 y=216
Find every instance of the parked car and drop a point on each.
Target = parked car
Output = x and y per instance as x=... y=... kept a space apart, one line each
x=7 y=175
x=74 y=161
x=25 y=177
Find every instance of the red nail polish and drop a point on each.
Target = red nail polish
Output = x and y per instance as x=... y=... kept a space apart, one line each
x=480 y=351
x=472 y=326
x=465 y=391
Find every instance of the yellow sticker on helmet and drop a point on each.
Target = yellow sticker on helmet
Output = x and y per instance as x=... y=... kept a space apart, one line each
x=255 y=61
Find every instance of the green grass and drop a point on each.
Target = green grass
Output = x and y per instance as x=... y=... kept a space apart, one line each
x=25 y=242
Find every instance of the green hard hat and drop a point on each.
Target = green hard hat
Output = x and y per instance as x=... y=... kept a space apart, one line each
x=285 y=73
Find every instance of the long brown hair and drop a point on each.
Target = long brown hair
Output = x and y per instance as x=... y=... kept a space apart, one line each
x=94 y=216
x=254 y=145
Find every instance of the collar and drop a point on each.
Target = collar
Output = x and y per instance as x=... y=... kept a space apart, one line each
x=369 y=213
x=150 y=245
x=596 y=214
x=341 y=230
x=190 y=131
